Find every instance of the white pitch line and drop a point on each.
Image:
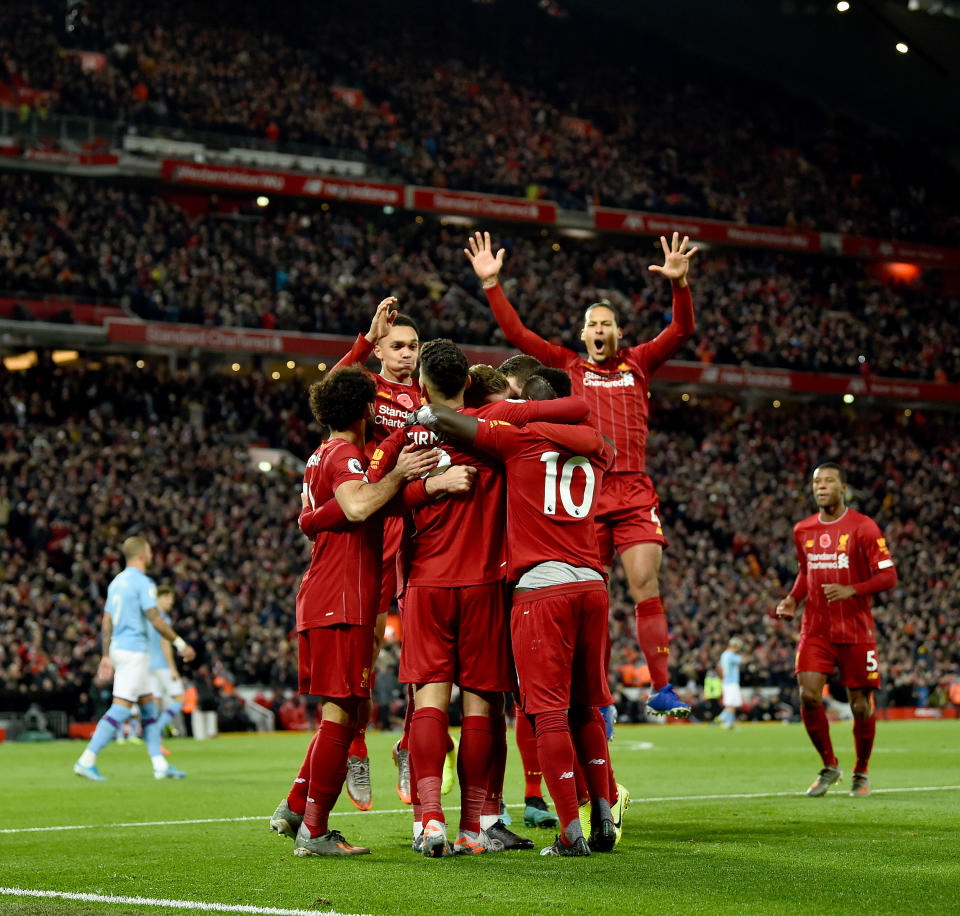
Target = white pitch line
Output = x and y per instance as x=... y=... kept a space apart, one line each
x=166 y=904
x=634 y=800
x=673 y=798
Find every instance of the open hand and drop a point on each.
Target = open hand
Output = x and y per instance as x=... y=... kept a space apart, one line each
x=676 y=259
x=415 y=462
x=382 y=319
x=480 y=254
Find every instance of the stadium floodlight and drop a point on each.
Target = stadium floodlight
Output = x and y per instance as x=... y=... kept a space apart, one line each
x=291 y=364
x=843 y=6
x=263 y=201
x=265 y=466
x=902 y=47
x=848 y=399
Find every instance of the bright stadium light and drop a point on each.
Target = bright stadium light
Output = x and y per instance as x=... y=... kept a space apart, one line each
x=140 y=363
x=848 y=399
x=291 y=364
x=843 y=6
x=265 y=466
x=776 y=403
x=235 y=367
x=902 y=47
x=908 y=412
x=263 y=201
x=684 y=396
x=275 y=375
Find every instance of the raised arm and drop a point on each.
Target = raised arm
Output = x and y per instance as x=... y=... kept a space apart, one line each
x=676 y=264
x=487 y=267
x=379 y=327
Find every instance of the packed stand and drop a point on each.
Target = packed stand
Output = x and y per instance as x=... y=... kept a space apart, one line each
x=94 y=455
x=304 y=268
x=593 y=122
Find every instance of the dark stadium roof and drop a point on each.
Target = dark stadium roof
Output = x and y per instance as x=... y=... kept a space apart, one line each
x=847 y=61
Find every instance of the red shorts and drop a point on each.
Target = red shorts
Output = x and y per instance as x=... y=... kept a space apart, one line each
x=857 y=662
x=336 y=661
x=456 y=634
x=628 y=513
x=392 y=538
x=561 y=645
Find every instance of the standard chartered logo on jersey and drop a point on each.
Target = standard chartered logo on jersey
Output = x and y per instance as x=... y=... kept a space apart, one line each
x=390 y=416
x=828 y=561
x=593 y=380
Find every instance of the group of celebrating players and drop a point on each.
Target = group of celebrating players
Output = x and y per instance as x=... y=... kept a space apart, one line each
x=501 y=501
x=490 y=504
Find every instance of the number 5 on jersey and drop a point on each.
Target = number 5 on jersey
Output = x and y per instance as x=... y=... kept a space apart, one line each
x=550 y=488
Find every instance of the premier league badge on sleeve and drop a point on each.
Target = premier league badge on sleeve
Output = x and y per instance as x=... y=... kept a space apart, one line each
x=354 y=466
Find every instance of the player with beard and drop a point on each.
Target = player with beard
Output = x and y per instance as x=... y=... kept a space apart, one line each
x=844 y=560
x=614 y=381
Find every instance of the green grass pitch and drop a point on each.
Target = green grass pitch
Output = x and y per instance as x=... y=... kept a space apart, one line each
x=770 y=850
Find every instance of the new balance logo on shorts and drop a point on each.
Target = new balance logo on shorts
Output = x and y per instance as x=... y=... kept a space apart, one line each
x=596 y=762
x=567 y=775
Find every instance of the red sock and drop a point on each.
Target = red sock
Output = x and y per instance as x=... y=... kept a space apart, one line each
x=654 y=640
x=818 y=728
x=407 y=719
x=328 y=770
x=473 y=768
x=590 y=742
x=555 y=749
x=450 y=745
x=358 y=746
x=527 y=745
x=428 y=740
x=864 y=731
x=498 y=765
x=297 y=797
x=580 y=779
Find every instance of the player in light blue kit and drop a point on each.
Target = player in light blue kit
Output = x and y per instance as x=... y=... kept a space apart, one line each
x=130 y=612
x=165 y=683
x=730 y=662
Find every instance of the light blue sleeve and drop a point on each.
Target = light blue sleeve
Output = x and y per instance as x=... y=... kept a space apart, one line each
x=147 y=593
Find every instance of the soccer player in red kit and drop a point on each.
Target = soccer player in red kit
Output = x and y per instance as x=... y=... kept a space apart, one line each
x=843 y=559
x=337 y=600
x=560 y=603
x=394 y=340
x=455 y=628
x=614 y=382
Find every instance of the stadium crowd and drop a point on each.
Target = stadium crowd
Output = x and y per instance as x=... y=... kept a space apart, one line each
x=300 y=267
x=594 y=122
x=92 y=455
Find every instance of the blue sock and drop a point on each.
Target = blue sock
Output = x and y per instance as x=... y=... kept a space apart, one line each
x=107 y=727
x=151 y=727
x=169 y=714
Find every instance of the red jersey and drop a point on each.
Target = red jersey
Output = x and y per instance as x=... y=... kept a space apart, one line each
x=616 y=390
x=342 y=584
x=847 y=551
x=394 y=400
x=553 y=480
x=459 y=540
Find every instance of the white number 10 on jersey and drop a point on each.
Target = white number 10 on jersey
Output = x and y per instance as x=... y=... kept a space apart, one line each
x=552 y=460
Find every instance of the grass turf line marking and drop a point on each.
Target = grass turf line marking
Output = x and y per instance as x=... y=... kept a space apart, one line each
x=262 y=817
x=166 y=904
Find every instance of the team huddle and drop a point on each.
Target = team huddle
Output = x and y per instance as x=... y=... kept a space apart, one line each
x=491 y=504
